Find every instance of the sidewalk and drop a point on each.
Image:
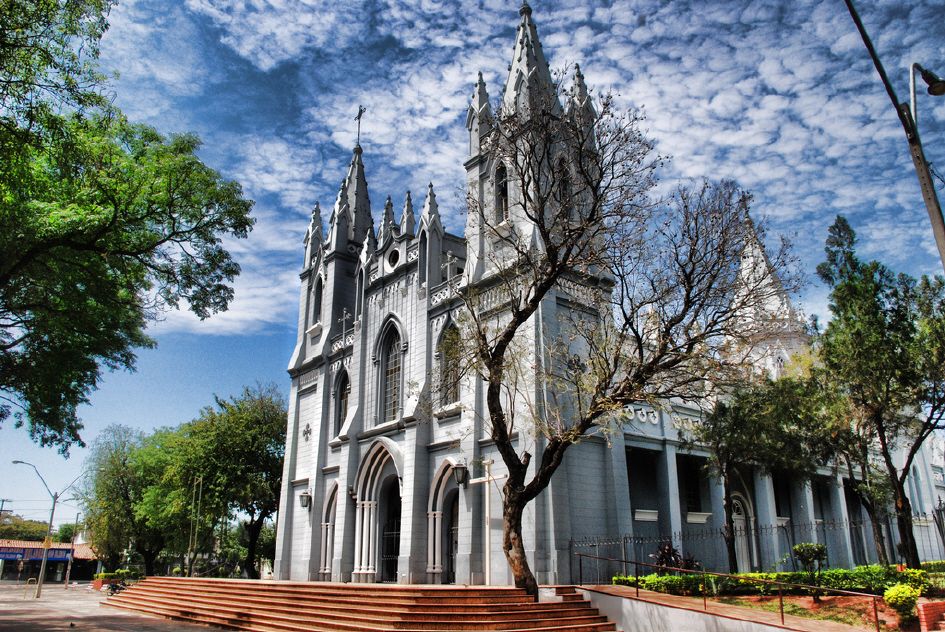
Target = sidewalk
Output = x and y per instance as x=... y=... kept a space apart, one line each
x=73 y=609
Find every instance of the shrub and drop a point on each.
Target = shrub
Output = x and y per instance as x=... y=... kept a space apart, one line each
x=937 y=566
x=902 y=598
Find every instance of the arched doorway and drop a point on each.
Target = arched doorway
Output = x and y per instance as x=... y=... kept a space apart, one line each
x=451 y=536
x=744 y=521
x=377 y=522
x=389 y=511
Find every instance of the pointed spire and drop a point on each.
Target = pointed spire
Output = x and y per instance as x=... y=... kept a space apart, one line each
x=580 y=105
x=316 y=229
x=359 y=204
x=369 y=245
x=387 y=223
x=340 y=224
x=408 y=221
x=529 y=79
x=431 y=210
x=479 y=116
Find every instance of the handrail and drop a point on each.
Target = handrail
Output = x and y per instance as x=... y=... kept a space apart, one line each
x=741 y=578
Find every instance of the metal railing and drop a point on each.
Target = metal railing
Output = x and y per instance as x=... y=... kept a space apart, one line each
x=813 y=590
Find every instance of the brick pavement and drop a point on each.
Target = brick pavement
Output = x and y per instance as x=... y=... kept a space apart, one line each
x=74 y=609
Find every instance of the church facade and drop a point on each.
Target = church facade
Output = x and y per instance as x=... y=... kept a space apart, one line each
x=379 y=422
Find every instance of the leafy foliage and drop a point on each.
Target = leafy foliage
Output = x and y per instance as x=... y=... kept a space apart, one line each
x=902 y=598
x=881 y=373
x=14 y=527
x=103 y=223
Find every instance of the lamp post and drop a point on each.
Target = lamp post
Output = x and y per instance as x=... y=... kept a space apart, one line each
x=55 y=498
x=907 y=116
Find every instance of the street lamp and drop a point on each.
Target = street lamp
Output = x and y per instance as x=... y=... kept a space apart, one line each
x=55 y=498
x=907 y=116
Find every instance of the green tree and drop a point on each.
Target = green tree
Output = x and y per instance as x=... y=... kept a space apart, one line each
x=66 y=531
x=14 y=527
x=117 y=485
x=768 y=425
x=241 y=445
x=103 y=223
x=883 y=354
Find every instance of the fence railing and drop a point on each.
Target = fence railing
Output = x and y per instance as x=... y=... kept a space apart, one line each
x=814 y=590
x=767 y=546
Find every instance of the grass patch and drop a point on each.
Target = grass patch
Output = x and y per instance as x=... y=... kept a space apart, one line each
x=824 y=612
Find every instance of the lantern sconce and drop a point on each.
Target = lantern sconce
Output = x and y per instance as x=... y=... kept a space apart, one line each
x=461 y=474
x=305 y=499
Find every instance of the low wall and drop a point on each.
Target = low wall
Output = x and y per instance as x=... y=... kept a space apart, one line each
x=634 y=615
x=930 y=613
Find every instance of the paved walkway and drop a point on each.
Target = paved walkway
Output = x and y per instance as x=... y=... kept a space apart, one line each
x=729 y=611
x=74 y=609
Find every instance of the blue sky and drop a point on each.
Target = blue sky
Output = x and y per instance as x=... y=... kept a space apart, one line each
x=779 y=96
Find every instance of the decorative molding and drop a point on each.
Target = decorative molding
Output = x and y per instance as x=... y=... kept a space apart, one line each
x=307 y=431
x=646 y=515
x=698 y=517
x=309 y=379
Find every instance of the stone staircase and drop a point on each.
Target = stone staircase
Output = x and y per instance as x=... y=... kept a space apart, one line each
x=266 y=605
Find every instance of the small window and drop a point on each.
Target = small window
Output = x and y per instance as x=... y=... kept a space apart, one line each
x=317 y=302
x=448 y=352
x=501 y=194
x=393 y=257
x=359 y=298
x=342 y=391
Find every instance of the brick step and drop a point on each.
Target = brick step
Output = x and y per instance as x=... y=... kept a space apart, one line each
x=354 y=595
x=373 y=590
x=529 y=611
x=240 y=621
x=255 y=606
x=421 y=602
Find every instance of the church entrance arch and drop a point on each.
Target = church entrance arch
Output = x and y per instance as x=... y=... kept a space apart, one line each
x=743 y=518
x=377 y=521
x=443 y=526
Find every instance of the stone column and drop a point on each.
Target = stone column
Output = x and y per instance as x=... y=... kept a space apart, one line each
x=803 y=517
x=838 y=535
x=670 y=516
x=766 y=521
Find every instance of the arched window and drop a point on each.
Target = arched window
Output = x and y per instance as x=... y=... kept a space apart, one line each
x=501 y=194
x=422 y=264
x=317 y=302
x=390 y=377
x=359 y=298
x=447 y=351
x=342 y=391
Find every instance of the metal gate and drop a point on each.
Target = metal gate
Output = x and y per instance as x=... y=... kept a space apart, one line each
x=390 y=550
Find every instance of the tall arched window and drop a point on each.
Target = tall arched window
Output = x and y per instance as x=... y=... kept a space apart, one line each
x=447 y=351
x=317 y=302
x=422 y=265
x=390 y=377
x=359 y=298
x=342 y=391
x=501 y=194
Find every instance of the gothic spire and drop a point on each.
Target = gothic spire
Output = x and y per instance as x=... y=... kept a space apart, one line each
x=529 y=83
x=340 y=223
x=580 y=105
x=387 y=223
x=408 y=221
x=359 y=204
x=316 y=231
x=431 y=210
x=478 y=117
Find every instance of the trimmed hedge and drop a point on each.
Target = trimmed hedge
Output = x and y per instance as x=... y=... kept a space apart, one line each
x=872 y=579
x=938 y=566
x=121 y=573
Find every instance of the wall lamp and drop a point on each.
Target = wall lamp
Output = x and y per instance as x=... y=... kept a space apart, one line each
x=305 y=499
x=461 y=474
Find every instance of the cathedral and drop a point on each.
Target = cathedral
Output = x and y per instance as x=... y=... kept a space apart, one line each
x=383 y=437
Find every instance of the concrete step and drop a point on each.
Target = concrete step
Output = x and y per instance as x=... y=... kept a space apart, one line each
x=258 y=606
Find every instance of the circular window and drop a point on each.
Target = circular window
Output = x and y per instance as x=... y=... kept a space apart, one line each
x=393 y=258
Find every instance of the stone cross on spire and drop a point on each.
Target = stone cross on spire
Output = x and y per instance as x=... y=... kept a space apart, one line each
x=361 y=111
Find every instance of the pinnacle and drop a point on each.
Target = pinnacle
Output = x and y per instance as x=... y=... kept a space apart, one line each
x=525 y=10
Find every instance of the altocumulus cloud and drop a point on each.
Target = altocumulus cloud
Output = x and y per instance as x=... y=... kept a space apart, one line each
x=779 y=96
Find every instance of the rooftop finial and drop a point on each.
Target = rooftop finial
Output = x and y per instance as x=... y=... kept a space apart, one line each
x=526 y=10
x=361 y=111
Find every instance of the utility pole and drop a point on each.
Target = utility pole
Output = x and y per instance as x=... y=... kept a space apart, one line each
x=75 y=528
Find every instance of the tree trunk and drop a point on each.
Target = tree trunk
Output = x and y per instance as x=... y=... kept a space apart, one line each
x=514 y=546
x=253 y=529
x=879 y=540
x=728 y=531
x=907 y=544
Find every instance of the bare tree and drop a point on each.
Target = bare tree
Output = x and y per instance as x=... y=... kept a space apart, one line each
x=667 y=297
